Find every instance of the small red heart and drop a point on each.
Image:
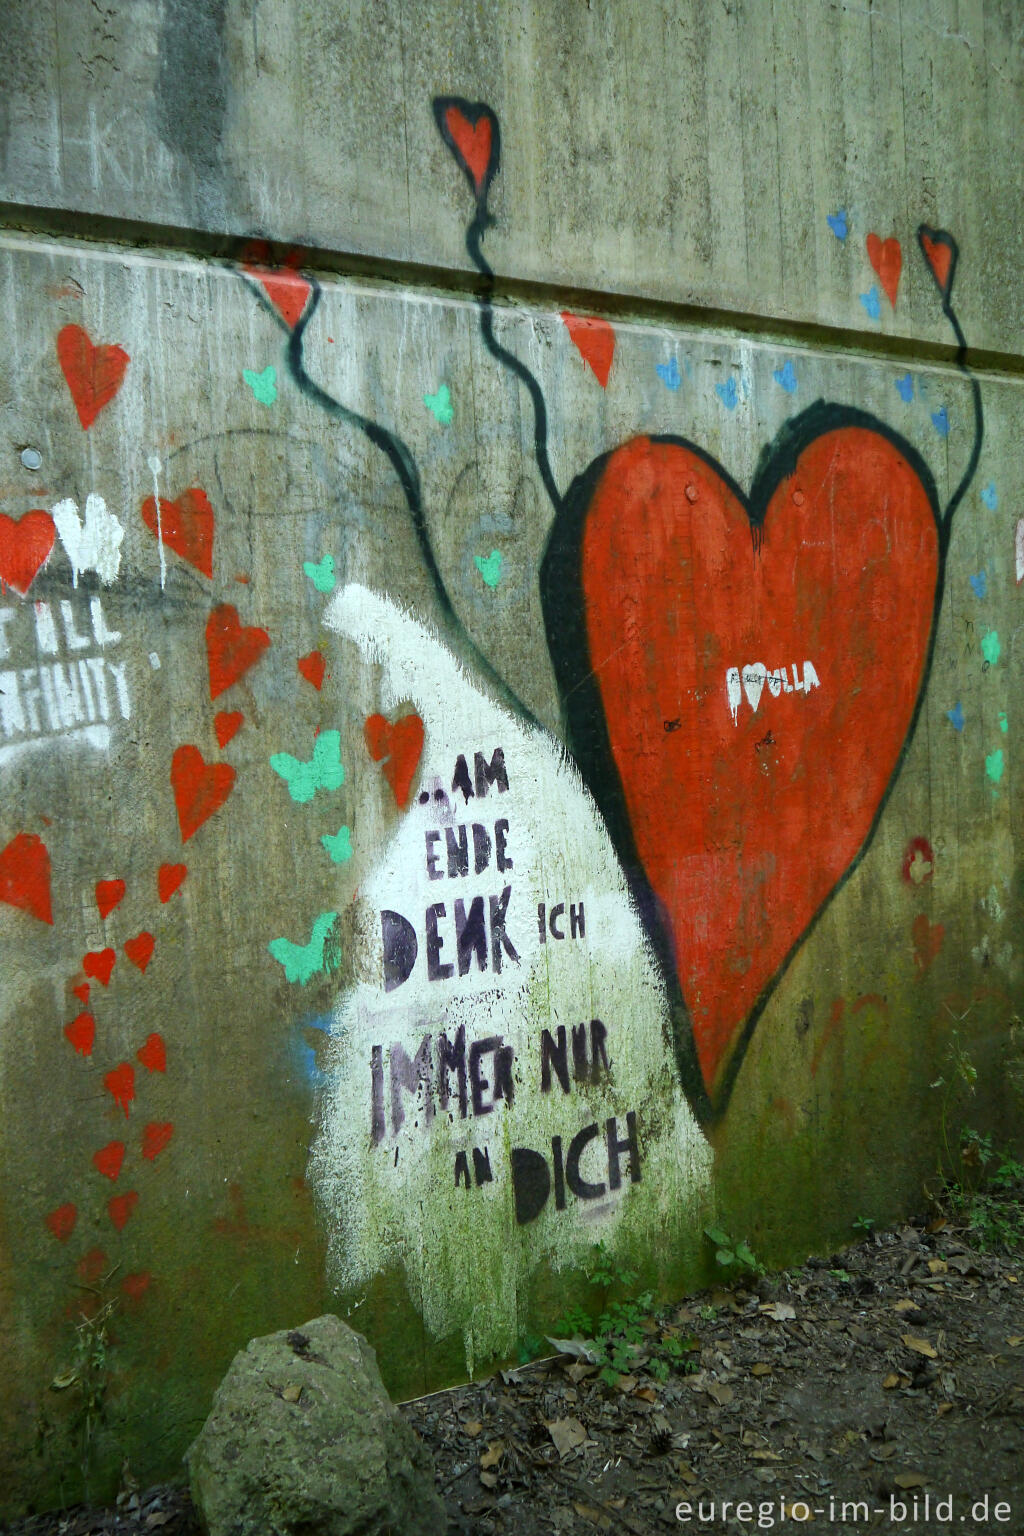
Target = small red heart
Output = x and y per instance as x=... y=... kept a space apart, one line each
x=595 y=342
x=286 y=289
x=109 y=894
x=402 y=745
x=93 y=374
x=25 y=547
x=472 y=141
x=120 y=1208
x=61 y=1222
x=927 y=939
x=82 y=1033
x=940 y=258
x=25 y=876
x=91 y=1266
x=108 y=1159
x=140 y=949
x=186 y=526
x=98 y=964
x=887 y=259
x=227 y=724
x=136 y=1286
x=153 y=1054
x=120 y=1084
x=155 y=1137
x=231 y=647
x=82 y=991
x=312 y=668
x=200 y=788
x=168 y=878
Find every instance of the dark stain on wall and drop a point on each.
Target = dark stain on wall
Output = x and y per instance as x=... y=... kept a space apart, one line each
x=191 y=95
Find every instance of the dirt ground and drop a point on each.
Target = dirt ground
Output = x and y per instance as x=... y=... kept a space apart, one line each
x=856 y=1393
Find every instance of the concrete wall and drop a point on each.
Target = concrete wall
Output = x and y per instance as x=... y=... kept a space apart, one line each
x=465 y=797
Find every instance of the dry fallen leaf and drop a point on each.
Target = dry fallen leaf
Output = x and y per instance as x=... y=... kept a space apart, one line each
x=884 y=1452
x=761 y=1369
x=891 y=1381
x=920 y=1346
x=906 y=1305
x=938 y=1267
x=625 y=1384
x=718 y=1390
x=489 y=1479
x=292 y=1392
x=580 y=1349
x=647 y=1394
x=493 y=1454
x=472 y=1428
x=1015 y=1339
x=781 y=1311
x=566 y=1434
x=943 y=1408
x=910 y=1479
x=596 y=1516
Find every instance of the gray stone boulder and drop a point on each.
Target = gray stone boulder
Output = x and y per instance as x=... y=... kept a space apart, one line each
x=303 y=1440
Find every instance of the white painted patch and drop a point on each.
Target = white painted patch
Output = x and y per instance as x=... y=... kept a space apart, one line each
x=1019 y=550
x=385 y=1178
x=154 y=661
x=94 y=545
x=95 y=736
x=752 y=679
x=156 y=469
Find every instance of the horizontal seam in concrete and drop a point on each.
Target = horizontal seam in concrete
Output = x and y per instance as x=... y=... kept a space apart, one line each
x=467 y=285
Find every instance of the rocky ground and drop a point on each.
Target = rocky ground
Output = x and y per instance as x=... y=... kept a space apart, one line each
x=844 y=1394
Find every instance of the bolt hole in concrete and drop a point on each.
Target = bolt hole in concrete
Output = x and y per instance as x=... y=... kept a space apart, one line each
x=31 y=458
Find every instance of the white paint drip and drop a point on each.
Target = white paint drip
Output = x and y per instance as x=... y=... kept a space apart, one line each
x=156 y=469
x=1019 y=550
x=467 y=1261
x=94 y=545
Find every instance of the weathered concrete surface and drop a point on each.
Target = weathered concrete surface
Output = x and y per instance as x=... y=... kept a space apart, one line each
x=689 y=151
x=303 y=1437
x=708 y=955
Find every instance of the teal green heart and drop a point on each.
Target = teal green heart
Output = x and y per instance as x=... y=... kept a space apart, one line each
x=338 y=845
x=323 y=771
x=322 y=574
x=263 y=385
x=440 y=404
x=489 y=567
x=302 y=961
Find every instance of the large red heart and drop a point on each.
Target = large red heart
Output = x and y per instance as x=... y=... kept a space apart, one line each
x=109 y=894
x=25 y=547
x=231 y=647
x=140 y=949
x=185 y=525
x=168 y=879
x=200 y=788
x=401 y=744
x=25 y=876
x=94 y=374
x=98 y=964
x=739 y=783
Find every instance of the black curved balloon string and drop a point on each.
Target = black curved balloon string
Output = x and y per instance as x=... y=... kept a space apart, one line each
x=928 y=239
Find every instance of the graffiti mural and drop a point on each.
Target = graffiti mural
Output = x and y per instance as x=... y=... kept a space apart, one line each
x=455 y=829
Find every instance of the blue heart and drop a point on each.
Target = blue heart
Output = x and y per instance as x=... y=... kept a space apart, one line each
x=786 y=376
x=727 y=394
x=837 y=223
x=905 y=387
x=980 y=584
x=955 y=717
x=940 y=421
x=870 y=302
x=990 y=496
x=668 y=373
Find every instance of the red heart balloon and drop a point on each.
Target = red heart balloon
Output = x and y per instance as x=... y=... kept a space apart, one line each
x=740 y=678
x=472 y=141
